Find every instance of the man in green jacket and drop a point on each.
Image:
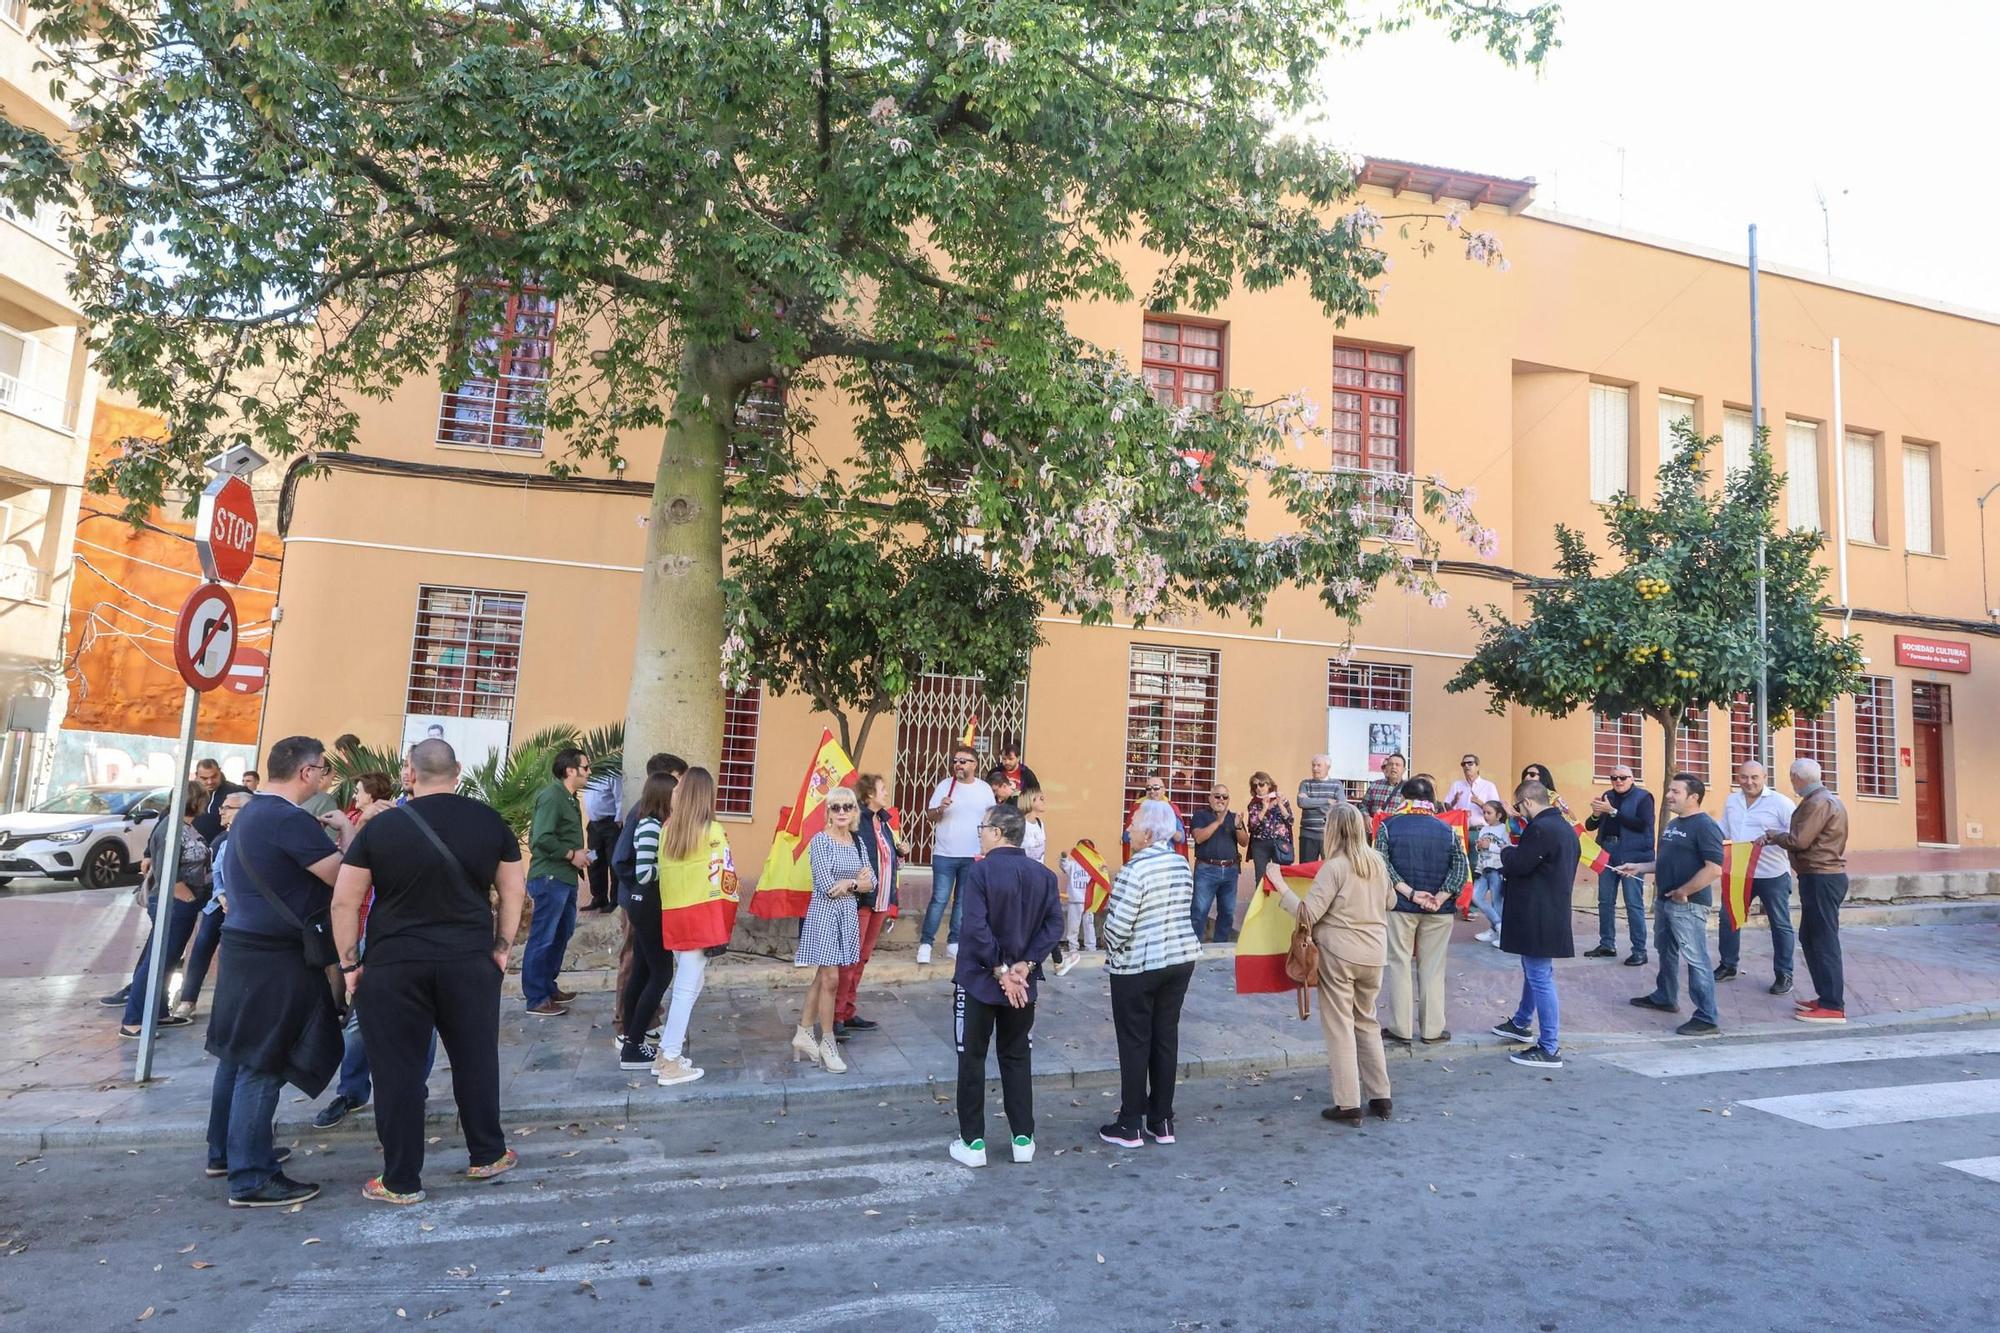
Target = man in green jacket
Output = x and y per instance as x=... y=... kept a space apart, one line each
x=555 y=855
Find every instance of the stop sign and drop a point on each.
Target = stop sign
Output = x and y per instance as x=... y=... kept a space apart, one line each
x=225 y=529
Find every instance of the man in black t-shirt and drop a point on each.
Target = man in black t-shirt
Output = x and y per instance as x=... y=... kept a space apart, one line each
x=435 y=959
x=1685 y=869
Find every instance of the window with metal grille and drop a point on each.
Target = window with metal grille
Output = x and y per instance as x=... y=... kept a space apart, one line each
x=1875 y=737
x=1742 y=732
x=1691 y=745
x=736 y=775
x=1182 y=362
x=466 y=654
x=1171 y=708
x=1814 y=739
x=760 y=422
x=1369 y=424
x=498 y=405
x=1615 y=741
x=1367 y=685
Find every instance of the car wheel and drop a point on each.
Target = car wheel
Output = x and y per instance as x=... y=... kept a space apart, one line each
x=104 y=867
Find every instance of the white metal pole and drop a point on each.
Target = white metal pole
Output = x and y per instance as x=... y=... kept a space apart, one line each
x=1757 y=446
x=163 y=879
x=1840 y=492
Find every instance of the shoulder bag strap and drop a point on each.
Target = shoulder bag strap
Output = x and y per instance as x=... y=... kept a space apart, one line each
x=463 y=875
x=256 y=882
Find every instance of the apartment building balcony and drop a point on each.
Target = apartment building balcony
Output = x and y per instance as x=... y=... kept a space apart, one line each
x=24 y=90
x=35 y=264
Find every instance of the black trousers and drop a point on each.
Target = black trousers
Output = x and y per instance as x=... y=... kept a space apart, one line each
x=652 y=969
x=1310 y=845
x=1146 y=1011
x=400 y=1004
x=978 y=1021
x=601 y=836
x=1820 y=897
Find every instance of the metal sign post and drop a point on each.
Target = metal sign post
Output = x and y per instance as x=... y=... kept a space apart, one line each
x=164 y=875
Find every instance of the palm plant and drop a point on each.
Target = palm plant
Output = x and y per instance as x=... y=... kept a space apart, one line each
x=509 y=783
x=349 y=765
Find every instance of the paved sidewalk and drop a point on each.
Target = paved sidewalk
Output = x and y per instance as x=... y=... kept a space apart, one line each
x=65 y=1074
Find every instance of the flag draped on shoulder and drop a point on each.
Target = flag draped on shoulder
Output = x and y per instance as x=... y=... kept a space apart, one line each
x=784 y=888
x=698 y=896
x=1739 y=862
x=1266 y=936
x=1098 y=891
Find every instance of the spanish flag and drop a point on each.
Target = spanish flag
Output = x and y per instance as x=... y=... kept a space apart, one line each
x=1739 y=862
x=1094 y=897
x=969 y=738
x=785 y=887
x=1266 y=936
x=698 y=895
x=1598 y=863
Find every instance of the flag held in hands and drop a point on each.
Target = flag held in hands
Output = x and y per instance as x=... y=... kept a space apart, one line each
x=1598 y=863
x=1098 y=892
x=1266 y=936
x=1739 y=860
x=784 y=888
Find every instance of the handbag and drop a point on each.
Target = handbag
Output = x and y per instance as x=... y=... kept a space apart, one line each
x=1302 y=966
x=315 y=932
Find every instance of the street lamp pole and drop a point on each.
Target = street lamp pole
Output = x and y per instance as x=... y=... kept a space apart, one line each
x=1757 y=442
x=1985 y=600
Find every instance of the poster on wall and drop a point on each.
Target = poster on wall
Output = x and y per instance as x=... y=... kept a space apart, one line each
x=1359 y=739
x=472 y=739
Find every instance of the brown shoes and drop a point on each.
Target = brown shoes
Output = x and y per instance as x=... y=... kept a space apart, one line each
x=562 y=996
x=1377 y=1107
x=1346 y=1115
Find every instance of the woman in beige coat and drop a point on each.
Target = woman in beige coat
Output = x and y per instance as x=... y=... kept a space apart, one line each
x=1347 y=910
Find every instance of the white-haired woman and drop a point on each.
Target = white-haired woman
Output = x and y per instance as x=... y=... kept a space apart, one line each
x=1151 y=949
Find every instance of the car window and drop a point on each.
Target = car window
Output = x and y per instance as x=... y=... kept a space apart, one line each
x=79 y=802
x=155 y=802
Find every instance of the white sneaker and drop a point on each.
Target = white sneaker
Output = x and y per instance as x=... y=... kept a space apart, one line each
x=184 y=1009
x=969 y=1154
x=1024 y=1148
x=1496 y=940
x=676 y=1070
x=951 y=950
x=1484 y=937
x=923 y=955
x=1068 y=962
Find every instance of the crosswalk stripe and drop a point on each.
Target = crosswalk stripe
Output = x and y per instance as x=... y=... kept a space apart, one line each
x=1676 y=1062
x=710 y=1163
x=1885 y=1106
x=1986 y=1168
x=948 y=1307
x=944 y=1240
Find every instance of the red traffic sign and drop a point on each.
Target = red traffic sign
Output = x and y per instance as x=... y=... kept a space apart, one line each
x=225 y=529
x=205 y=636
x=247 y=672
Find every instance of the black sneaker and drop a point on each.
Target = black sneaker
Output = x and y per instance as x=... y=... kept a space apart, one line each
x=1512 y=1031
x=860 y=1024
x=336 y=1111
x=280 y=1191
x=1165 y=1132
x=1783 y=985
x=115 y=1000
x=1725 y=973
x=840 y=1032
x=1601 y=951
x=216 y=1172
x=1648 y=1002
x=1537 y=1058
x=637 y=1057
x=1637 y=959
x=1694 y=1027
x=1118 y=1136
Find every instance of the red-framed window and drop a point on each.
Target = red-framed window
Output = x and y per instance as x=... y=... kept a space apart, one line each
x=1691 y=754
x=506 y=364
x=736 y=775
x=1814 y=739
x=1614 y=741
x=760 y=421
x=1368 y=685
x=1742 y=732
x=465 y=655
x=1370 y=423
x=1182 y=362
x=1875 y=737
x=1172 y=709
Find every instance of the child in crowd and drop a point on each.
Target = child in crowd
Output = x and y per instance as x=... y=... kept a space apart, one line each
x=1079 y=926
x=1486 y=886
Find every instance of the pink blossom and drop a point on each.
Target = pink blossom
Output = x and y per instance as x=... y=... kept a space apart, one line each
x=884 y=109
x=1482 y=247
x=899 y=146
x=990 y=440
x=1440 y=600
x=997 y=49
x=1451 y=219
x=1362 y=221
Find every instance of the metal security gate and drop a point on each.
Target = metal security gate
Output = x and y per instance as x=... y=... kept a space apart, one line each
x=930 y=720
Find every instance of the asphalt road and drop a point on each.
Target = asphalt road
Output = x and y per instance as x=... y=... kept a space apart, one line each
x=1601 y=1196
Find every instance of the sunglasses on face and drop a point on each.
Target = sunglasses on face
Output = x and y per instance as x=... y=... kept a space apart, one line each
x=843 y=809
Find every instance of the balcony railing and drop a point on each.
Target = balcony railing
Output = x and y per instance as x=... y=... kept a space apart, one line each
x=493 y=413
x=1386 y=498
x=38 y=405
x=22 y=583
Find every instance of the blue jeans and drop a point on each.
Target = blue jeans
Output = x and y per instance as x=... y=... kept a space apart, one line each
x=207 y=938
x=1486 y=896
x=241 y=1105
x=1538 y=1001
x=1776 y=895
x=549 y=930
x=1685 y=926
x=1216 y=885
x=1635 y=910
x=945 y=871
x=181 y=919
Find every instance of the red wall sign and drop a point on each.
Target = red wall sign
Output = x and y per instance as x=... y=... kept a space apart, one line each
x=1936 y=654
x=225 y=529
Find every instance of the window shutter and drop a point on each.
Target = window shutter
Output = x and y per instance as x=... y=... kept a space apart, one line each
x=1610 y=441
x=1861 y=488
x=1739 y=435
x=1673 y=407
x=1917 y=498
x=1802 y=475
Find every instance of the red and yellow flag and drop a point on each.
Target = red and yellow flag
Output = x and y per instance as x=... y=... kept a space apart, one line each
x=784 y=888
x=1266 y=936
x=969 y=738
x=1099 y=890
x=1598 y=863
x=698 y=896
x=1739 y=863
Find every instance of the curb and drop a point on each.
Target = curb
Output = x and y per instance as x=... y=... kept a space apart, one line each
x=639 y=1111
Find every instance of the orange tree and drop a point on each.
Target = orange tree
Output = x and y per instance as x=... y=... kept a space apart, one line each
x=1673 y=628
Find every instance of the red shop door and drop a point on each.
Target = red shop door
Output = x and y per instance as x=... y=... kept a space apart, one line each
x=1931 y=709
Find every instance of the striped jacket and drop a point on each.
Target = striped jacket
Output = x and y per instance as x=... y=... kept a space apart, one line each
x=1149 y=921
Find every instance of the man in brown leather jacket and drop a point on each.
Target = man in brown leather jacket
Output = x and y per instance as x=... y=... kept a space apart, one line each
x=1817 y=842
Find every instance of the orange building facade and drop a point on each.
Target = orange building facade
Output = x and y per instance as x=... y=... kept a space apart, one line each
x=440 y=578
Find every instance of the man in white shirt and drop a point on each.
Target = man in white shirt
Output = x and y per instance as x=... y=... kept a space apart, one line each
x=957 y=807
x=600 y=830
x=1471 y=792
x=1751 y=811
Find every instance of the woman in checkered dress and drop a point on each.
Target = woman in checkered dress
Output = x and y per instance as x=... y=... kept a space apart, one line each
x=831 y=936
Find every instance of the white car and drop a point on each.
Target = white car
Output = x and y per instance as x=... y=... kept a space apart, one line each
x=94 y=835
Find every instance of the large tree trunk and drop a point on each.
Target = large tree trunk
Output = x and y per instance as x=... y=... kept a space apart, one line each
x=677 y=697
x=1670 y=725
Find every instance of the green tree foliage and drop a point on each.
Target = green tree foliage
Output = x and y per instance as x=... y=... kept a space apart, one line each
x=1674 y=627
x=884 y=205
